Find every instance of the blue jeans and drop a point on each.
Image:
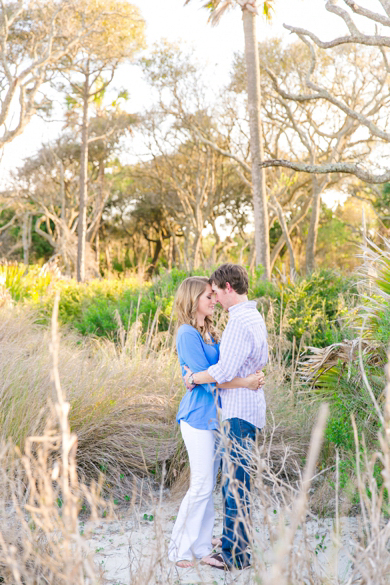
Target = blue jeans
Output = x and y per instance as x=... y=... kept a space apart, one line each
x=236 y=491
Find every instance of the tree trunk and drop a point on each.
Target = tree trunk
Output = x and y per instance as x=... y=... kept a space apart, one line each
x=293 y=223
x=62 y=191
x=170 y=253
x=195 y=260
x=176 y=255
x=256 y=143
x=64 y=230
x=99 y=206
x=97 y=250
x=82 y=225
x=213 y=253
x=313 y=228
x=186 y=247
x=108 y=257
x=152 y=268
x=26 y=237
x=286 y=234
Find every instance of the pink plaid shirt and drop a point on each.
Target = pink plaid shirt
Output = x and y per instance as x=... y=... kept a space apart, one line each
x=243 y=350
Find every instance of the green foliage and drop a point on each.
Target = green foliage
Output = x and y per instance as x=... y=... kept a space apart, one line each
x=383 y=328
x=313 y=305
x=339 y=432
x=99 y=317
x=24 y=282
x=310 y=308
x=40 y=249
x=343 y=388
x=91 y=307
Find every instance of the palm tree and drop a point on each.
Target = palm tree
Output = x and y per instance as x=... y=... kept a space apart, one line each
x=250 y=9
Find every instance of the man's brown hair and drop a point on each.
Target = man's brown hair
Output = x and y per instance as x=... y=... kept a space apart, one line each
x=234 y=274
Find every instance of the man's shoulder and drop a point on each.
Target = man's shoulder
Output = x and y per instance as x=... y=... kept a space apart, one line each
x=248 y=322
x=249 y=313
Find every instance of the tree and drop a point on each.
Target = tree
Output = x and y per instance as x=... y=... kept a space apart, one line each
x=372 y=116
x=314 y=130
x=249 y=12
x=34 y=38
x=318 y=131
x=193 y=184
x=195 y=181
x=47 y=187
x=89 y=70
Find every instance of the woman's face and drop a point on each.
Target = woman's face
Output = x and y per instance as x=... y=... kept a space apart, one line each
x=206 y=304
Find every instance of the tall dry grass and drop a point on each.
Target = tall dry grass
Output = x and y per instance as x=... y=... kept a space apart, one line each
x=123 y=399
x=41 y=497
x=48 y=435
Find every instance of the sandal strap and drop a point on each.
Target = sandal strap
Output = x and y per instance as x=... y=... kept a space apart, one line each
x=218 y=557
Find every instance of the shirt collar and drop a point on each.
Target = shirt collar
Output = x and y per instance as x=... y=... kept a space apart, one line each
x=242 y=306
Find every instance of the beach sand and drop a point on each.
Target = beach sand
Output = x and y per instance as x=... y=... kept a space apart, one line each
x=133 y=547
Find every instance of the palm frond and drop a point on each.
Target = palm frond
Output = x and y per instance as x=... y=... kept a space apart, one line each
x=374 y=311
x=376 y=267
x=320 y=360
x=217 y=13
x=217 y=8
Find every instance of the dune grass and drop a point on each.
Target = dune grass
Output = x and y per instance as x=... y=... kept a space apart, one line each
x=41 y=540
x=123 y=399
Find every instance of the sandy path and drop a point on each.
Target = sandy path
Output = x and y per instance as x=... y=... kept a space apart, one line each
x=133 y=548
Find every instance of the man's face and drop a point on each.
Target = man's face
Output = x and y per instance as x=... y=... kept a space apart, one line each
x=221 y=296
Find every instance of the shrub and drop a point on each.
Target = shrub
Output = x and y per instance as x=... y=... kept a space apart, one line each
x=25 y=282
x=311 y=309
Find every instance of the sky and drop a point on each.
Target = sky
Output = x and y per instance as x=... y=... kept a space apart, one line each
x=214 y=46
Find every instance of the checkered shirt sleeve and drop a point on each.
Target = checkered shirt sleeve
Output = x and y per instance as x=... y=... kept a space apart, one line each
x=235 y=348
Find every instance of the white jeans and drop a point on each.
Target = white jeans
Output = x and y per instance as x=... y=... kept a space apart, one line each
x=193 y=530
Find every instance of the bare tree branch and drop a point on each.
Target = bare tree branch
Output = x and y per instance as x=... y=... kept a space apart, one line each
x=7 y=225
x=204 y=140
x=292 y=225
x=349 y=168
x=322 y=93
x=369 y=40
x=385 y=20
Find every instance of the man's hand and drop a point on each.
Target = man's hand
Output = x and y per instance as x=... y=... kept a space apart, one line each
x=255 y=381
x=188 y=373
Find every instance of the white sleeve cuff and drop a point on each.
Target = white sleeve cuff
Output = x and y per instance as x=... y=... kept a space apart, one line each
x=218 y=374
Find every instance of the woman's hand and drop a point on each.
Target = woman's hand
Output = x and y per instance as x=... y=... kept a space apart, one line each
x=185 y=378
x=261 y=377
x=255 y=381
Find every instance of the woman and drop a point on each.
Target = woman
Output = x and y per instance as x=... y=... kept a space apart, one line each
x=197 y=344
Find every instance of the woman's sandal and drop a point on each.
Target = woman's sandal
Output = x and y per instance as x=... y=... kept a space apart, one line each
x=184 y=564
x=216 y=541
x=217 y=561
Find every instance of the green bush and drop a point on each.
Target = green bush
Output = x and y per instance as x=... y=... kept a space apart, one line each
x=383 y=327
x=313 y=308
x=25 y=282
x=99 y=317
x=310 y=307
x=343 y=388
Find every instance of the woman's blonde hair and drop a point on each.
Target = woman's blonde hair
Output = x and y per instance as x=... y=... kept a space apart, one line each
x=186 y=305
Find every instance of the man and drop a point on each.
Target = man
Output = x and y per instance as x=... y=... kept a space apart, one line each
x=243 y=350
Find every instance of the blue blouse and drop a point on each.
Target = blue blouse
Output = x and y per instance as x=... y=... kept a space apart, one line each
x=197 y=408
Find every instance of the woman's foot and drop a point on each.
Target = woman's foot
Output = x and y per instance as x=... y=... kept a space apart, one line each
x=216 y=541
x=184 y=564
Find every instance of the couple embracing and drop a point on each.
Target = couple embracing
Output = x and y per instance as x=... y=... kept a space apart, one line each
x=224 y=400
